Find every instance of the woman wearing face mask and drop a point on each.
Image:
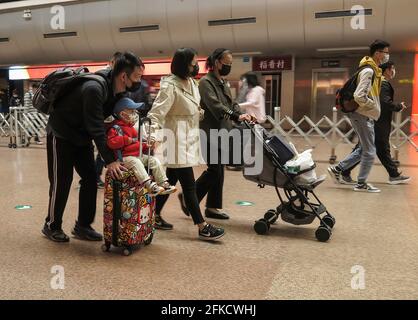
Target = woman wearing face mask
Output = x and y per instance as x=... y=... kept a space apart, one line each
x=220 y=111
x=177 y=110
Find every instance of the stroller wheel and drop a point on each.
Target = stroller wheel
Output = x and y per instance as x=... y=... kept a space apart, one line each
x=261 y=226
x=271 y=216
x=323 y=234
x=329 y=220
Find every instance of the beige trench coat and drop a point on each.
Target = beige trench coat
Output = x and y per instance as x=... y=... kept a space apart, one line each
x=175 y=116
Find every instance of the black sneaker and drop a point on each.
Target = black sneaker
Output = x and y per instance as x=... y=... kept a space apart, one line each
x=183 y=205
x=216 y=214
x=55 y=235
x=210 y=232
x=399 y=179
x=366 y=187
x=346 y=179
x=335 y=174
x=161 y=224
x=86 y=233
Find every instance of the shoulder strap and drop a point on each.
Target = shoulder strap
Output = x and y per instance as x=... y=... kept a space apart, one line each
x=365 y=67
x=120 y=133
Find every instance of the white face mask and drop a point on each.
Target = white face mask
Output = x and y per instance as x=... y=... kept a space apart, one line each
x=132 y=118
x=386 y=58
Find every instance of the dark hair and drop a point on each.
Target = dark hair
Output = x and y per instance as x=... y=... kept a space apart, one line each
x=116 y=55
x=216 y=55
x=387 y=65
x=126 y=62
x=182 y=59
x=35 y=85
x=251 y=78
x=378 y=45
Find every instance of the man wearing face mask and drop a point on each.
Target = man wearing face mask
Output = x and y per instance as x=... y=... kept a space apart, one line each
x=77 y=120
x=366 y=95
x=220 y=111
x=383 y=126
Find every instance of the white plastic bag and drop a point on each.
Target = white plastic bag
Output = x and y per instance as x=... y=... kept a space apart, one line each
x=301 y=162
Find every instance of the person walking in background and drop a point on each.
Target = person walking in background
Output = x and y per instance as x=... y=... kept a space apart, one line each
x=255 y=103
x=383 y=126
x=27 y=102
x=15 y=99
x=366 y=95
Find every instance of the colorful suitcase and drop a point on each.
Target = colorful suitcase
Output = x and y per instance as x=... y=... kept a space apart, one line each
x=129 y=211
x=129 y=214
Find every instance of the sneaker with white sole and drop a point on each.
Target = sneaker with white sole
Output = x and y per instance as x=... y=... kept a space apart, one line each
x=335 y=174
x=210 y=233
x=399 y=180
x=154 y=189
x=366 y=187
x=347 y=180
x=168 y=188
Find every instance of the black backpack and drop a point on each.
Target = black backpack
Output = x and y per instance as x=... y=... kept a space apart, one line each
x=345 y=96
x=59 y=83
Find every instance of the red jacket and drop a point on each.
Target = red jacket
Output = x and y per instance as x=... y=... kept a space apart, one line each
x=117 y=142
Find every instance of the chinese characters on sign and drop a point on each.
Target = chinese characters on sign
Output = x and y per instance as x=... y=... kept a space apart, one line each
x=272 y=63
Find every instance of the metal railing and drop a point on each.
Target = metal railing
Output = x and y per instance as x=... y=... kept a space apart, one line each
x=338 y=130
x=21 y=124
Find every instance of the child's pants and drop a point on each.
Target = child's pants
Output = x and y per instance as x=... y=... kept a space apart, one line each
x=138 y=167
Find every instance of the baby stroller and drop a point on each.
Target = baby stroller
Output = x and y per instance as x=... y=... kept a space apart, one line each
x=295 y=206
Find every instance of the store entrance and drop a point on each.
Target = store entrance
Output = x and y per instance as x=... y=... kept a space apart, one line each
x=272 y=83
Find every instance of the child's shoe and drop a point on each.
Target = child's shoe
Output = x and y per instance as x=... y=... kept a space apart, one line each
x=168 y=188
x=153 y=188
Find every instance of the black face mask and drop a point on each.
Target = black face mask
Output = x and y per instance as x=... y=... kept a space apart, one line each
x=225 y=70
x=195 y=71
x=134 y=87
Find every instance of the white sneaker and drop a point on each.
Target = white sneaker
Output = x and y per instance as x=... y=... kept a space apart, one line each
x=154 y=189
x=366 y=187
x=168 y=188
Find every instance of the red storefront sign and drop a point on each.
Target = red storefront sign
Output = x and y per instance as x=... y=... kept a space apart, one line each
x=272 y=63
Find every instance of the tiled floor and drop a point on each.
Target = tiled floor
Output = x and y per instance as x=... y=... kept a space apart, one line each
x=378 y=232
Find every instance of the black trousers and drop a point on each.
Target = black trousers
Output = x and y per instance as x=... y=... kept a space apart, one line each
x=382 y=144
x=211 y=183
x=63 y=157
x=99 y=167
x=188 y=185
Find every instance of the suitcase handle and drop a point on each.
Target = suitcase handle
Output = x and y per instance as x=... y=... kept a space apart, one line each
x=141 y=122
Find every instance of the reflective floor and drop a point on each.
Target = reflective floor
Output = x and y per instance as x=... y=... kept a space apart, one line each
x=375 y=233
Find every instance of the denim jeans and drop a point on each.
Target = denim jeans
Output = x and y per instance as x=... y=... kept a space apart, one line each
x=365 y=154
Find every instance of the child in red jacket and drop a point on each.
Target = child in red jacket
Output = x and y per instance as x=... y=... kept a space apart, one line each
x=123 y=137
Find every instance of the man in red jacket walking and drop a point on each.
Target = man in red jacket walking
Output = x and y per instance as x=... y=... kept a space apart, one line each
x=122 y=137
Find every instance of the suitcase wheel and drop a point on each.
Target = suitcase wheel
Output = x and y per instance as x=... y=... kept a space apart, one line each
x=149 y=239
x=105 y=247
x=127 y=252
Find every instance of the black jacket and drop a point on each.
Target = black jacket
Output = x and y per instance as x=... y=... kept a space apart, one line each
x=79 y=116
x=142 y=95
x=387 y=106
x=216 y=100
